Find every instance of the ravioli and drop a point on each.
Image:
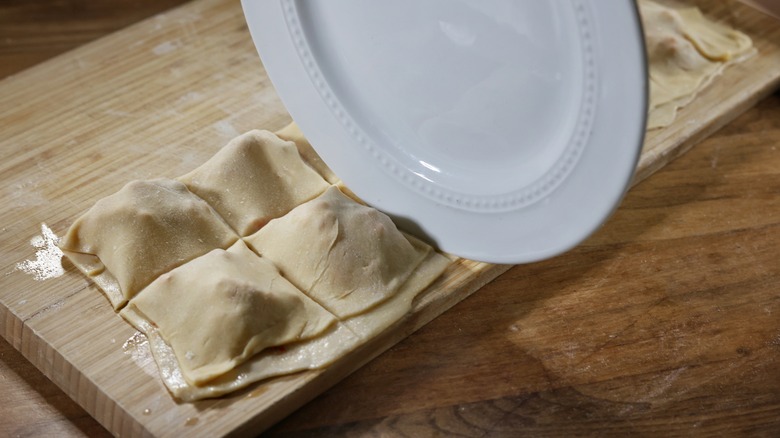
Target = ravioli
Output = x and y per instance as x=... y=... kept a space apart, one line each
x=145 y=229
x=223 y=307
x=369 y=324
x=313 y=354
x=253 y=179
x=336 y=341
x=685 y=52
x=346 y=256
x=323 y=275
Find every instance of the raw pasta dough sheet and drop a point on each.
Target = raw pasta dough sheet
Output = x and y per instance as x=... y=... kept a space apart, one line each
x=221 y=315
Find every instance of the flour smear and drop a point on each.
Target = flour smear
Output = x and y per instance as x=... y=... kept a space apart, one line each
x=48 y=256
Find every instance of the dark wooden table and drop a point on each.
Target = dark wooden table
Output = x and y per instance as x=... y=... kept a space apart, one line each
x=666 y=322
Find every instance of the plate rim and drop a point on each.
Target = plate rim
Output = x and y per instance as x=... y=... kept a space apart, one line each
x=420 y=214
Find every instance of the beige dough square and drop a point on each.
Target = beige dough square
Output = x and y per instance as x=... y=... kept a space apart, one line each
x=221 y=308
x=334 y=343
x=685 y=52
x=344 y=255
x=147 y=228
x=253 y=179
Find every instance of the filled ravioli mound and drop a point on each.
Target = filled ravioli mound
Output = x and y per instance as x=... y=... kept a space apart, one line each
x=250 y=267
x=253 y=179
x=145 y=229
x=223 y=307
x=685 y=52
x=347 y=256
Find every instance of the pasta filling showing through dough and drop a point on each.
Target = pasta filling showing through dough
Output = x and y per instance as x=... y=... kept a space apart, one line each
x=685 y=52
x=344 y=255
x=223 y=307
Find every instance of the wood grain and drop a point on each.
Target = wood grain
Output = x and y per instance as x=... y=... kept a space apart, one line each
x=140 y=119
x=128 y=114
x=33 y=32
x=664 y=323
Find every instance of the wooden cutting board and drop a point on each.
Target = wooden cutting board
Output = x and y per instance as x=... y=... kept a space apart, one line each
x=157 y=99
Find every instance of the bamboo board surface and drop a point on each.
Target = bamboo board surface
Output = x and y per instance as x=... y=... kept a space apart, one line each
x=157 y=99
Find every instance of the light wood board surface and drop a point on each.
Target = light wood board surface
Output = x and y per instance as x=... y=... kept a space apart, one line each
x=157 y=99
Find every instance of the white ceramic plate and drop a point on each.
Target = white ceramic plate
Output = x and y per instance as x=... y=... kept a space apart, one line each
x=504 y=131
